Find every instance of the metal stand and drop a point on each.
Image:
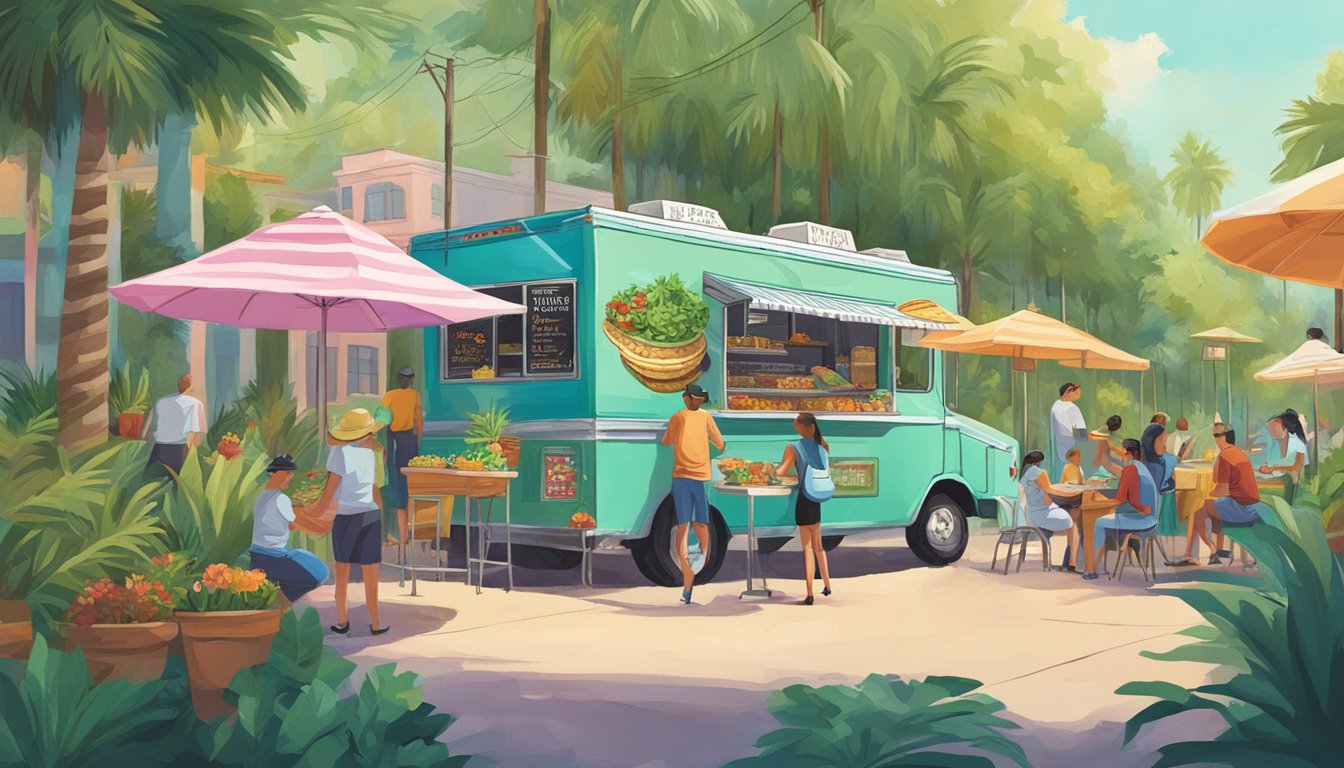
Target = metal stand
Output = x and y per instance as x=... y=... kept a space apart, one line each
x=407 y=559
x=483 y=561
x=764 y=591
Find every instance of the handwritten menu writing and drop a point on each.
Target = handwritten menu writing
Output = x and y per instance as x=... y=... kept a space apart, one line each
x=469 y=348
x=550 y=328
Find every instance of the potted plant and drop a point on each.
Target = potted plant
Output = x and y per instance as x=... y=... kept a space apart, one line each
x=123 y=629
x=227 y=623
x=128 y=397
x=16 y=629
x=487 y=428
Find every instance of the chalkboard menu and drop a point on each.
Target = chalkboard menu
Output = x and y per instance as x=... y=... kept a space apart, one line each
x=469 y=348
x=549 y=329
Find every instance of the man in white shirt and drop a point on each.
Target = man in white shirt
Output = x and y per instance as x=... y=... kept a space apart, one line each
x=181 y=422
x=1179 y=439
x=1066 y=426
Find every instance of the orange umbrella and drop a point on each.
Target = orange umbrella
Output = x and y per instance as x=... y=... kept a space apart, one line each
x=1293 y=232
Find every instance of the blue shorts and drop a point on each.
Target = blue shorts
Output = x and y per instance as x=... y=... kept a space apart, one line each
x=1233 y=512
x=297 y=571
x=691 y=501
x=358 y=538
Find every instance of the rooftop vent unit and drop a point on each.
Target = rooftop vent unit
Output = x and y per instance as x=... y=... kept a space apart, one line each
x=675 y=211
x=814 y=234
x=890 y=254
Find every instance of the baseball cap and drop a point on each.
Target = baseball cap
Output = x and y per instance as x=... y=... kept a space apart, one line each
x=696 y=391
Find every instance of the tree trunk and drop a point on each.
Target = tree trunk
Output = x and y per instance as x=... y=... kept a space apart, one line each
x=81 y=371
x=617 y=148
x=824 y=191
x=172 y=185
x=32 y=230
x=967 y=284
x=778 y=185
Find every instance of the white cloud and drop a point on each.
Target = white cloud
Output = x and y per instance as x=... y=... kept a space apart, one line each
x=1132 y=67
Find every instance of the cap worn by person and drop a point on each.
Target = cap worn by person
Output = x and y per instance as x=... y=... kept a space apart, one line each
x=282 y=463
x=355 y=424
x=696 y=391
x=406 y=371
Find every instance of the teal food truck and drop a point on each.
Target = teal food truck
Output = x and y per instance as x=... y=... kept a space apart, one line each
x=624 y=309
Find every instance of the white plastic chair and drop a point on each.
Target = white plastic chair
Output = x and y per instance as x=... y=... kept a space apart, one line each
x=1019 y=535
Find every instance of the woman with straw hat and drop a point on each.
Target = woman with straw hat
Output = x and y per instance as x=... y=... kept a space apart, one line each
x=356 y=531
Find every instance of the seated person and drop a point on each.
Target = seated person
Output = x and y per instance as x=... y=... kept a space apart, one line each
x=1041 y=512
x=1153 y=446
x=297 y=571
x=1178 y=441
x=1233 y=499
x=1106 y=442
x=1138 y=501
x=1289 y=454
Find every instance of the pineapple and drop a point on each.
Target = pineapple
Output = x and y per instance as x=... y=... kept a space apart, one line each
x=487 y=427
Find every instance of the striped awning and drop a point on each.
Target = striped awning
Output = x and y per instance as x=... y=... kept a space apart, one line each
x=847 y=308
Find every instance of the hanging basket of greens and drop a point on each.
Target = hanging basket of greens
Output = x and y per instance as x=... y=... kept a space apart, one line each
x=659 y=330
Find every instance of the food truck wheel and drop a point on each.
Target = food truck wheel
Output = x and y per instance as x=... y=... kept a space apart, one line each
x=656 y=554
x=939 y=535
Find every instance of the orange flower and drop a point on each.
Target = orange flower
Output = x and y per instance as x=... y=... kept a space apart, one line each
x=165 y=559
x=216 y=576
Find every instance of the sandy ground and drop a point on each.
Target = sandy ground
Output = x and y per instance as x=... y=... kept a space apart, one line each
x=624 y=675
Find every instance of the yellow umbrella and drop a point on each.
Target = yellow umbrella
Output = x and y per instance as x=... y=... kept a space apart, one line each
x=1316 y=362
x=1031 y=335
x=1293 y=232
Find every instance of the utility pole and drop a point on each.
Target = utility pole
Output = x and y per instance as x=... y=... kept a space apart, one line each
x=445 y=70
x=541 y=103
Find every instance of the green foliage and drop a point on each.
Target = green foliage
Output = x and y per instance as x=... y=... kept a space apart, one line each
x=665 y=311
x=1280 y=646
x=146 y=340
x=230 y=210
x=291 y=711
x=1313 y=136
x=1198 y=179
x=488 y=425
x=209 y=510
x=64 y=521
x=27 y=397
x=128 y=393
x=203 y=598
x=54 y=716
x=885 y=721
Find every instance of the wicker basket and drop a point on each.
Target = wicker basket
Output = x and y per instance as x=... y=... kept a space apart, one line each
x=654 y=361
x=421 y=481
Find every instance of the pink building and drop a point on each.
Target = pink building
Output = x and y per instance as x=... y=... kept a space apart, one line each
x=399 y=195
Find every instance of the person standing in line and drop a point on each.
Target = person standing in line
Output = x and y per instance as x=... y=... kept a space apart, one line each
x=404 y=430
x=690 y=432
x=810 y=458
x=1067 y=426
x=356 y=531
x=181 y=423
x=297 y=571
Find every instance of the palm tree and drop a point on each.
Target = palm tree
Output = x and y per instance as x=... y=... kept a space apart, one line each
x=1313 y=136
x=128 y=62
x=1198 y=179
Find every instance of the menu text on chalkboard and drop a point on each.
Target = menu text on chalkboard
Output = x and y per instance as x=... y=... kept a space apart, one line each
x=549 y=329
x=469 y=350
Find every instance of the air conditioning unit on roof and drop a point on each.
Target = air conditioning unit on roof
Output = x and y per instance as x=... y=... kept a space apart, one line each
x=889 y=254
x=675 y=211
x=814 y=234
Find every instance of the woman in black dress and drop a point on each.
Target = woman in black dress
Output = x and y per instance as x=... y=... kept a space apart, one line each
x=809 y=451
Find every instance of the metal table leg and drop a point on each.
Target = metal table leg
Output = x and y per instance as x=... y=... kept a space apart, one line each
x=508 y=532
x=764 y=591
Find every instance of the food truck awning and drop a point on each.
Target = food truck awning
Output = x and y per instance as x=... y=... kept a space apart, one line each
x=731 y=291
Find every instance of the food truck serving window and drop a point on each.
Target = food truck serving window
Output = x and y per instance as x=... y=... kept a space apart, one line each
x=539 y=344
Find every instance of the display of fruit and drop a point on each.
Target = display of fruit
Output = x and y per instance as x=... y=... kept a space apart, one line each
x=484 y=372
x=754 y=342
x=742 y=382
x=800 y=338
x=480 y=460
x=582 y=520
x=429 y=461
x=742 y=472
x=830 y=378
x=796 y=382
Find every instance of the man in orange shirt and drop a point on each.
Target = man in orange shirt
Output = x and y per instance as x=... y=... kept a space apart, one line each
x=1235 y=493
x=404 y=429
x=690 y=432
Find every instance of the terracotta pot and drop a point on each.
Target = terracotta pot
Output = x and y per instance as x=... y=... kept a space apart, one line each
x=134 y=652
x=513 y=450
x=217 y=645
x=129 y=424
x=16 y=629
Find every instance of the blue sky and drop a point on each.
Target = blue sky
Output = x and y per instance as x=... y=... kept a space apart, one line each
x=1225 y=69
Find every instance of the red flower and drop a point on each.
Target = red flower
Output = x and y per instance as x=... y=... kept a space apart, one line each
x=623 y=309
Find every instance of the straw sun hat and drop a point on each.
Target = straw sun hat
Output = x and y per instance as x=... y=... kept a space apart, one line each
x=355 y=424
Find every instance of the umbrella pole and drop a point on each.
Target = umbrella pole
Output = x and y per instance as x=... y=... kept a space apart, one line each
x=322 y=393
x=1316 y=416
x=1229 y=383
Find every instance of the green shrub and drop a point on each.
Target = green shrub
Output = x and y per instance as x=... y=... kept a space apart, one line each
x=27 y=397
x=291 y=711
x=64 y=521
x=209 y=511
x=128 y=393
x=53 y=716
x=1280 y=647
x=888 y=722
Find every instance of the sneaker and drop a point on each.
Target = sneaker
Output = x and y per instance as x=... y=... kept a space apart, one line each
x=686 y=596
x=826 y=592
x=1090 y=576
x=808 y=601
x=1214 y=560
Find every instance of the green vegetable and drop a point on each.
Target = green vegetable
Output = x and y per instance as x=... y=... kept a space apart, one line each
x=665 y=311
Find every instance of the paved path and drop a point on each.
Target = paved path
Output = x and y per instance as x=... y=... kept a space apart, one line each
x=623 y=675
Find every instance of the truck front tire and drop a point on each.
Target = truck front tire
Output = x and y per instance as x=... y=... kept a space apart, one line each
x=656 y=559
x=939 y=534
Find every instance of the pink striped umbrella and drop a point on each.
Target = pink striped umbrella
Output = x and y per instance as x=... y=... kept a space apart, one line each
x=319 y=272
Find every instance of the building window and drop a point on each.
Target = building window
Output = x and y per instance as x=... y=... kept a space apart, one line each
x=347 y=199
x=362 y=370
x=311 y=362
x=436 y=198
x=383 y=202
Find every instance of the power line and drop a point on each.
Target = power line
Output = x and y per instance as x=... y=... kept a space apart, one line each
x=496 y=124
x=482 y=92
x=503 y=132
x=352 y=110
x=361 y=118
x=739 y=46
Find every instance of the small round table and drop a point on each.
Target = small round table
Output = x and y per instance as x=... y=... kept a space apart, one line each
x=752 y=492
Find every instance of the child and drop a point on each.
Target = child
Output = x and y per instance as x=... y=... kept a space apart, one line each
x=356 y=531
x=297 y=571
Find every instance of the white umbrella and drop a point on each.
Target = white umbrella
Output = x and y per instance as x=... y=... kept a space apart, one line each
x=1314 y=361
